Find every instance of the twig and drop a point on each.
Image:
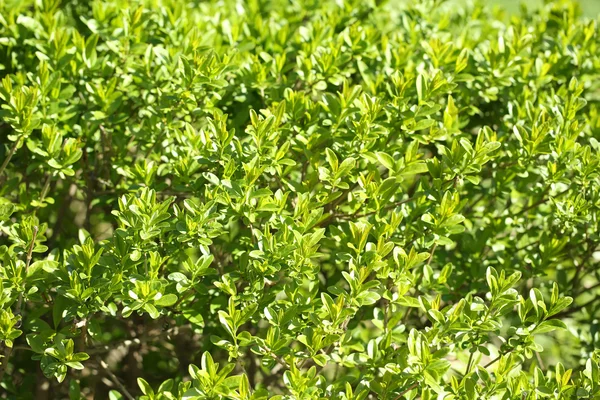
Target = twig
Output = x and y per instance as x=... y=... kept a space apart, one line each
x=188 y=294
x=9 y=156
x=473 y=204
x=384 y=307
x=277 y=358
x=431 y=254
x=540 y=202
x=525 y=246
x=586 y=290
x=575 y=280
x=408 y=389
x=469 y=363
x=539 y=360
x=497 y=358
x=45 y=188
x=84 y=333
x=303 y=173
x=537 y=203
x=44 y=192
x=492 y=362
x=356 y=215
x=115 y=380
x=28 y=262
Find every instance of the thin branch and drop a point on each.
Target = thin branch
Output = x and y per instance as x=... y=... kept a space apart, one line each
x=45 y=188
x=279 y=360
x=431 y=254
x=408 y=389
x=469 y=363
x=115 y=380
x=495 y=360
x=492 y=362
x=406 y=315
x=187 y=295
x=9 y=156
x=575 y=280
x=586 y=290
x=539 y=360
x=540 y=202
x=534 y=205
x=356 y=215
x=525 y=246
x=303 y=173
x=44 y=192
x=470 y=207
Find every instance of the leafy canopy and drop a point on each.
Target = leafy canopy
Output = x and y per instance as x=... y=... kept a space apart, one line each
x=299 y=199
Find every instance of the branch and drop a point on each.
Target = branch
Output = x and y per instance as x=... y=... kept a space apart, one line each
x=115 y=380
x=540 y=201
x=469 y=363
x=9 y=156
x=493 y=361
x=408 y=389
x=356 y=215
x=586 y=289
x=497 y=358
x=431 y=254
x=575 y=280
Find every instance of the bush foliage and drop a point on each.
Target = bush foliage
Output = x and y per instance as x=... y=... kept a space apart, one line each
x=272 y=199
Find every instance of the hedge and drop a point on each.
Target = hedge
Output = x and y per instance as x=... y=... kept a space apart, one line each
x=298 y=199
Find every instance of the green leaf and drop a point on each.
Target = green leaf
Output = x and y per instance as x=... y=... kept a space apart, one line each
x=550 y=325
x=166 y=300
x=145 y=387
x=150 y=309
x=332 y=159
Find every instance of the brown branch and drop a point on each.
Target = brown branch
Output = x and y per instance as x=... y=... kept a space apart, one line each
x=115 y=380
x=493 y=361
x=432 y=253
x=408 y=389
x=187 y=295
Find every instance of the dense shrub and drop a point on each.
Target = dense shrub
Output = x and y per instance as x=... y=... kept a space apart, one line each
x=299 y=199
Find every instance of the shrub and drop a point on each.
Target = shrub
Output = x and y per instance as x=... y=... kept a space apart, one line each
x=298 y=200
